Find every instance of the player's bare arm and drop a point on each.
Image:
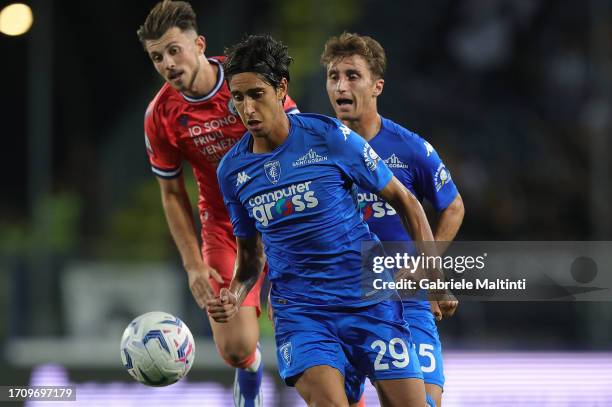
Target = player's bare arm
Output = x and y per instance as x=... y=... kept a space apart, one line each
x=414 y=220
x=179 y=215
x=410 y=211
x=250 y=261
x=449 y=223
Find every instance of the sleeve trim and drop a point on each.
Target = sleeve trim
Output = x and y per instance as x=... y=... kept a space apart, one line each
x=442 y=205
x=168 y=174
x=385 y=182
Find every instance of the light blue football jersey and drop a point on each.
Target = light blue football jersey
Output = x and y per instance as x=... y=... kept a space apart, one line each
x=302 y=198
x=418 y=166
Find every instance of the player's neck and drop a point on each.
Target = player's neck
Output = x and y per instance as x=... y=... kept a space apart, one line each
x=367 y=126
x=267 y=143
x=205 y=79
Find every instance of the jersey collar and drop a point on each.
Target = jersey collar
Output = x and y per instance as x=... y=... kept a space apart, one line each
x=215 y=89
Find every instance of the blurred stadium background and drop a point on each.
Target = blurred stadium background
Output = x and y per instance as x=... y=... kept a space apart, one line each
x=516 y=95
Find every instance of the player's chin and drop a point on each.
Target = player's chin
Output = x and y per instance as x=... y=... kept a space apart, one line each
x=344 y=113
x=258 y=133
x=177 y=85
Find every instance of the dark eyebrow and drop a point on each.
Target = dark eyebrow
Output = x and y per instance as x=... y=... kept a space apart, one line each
x=250 y=90
x=166 y=47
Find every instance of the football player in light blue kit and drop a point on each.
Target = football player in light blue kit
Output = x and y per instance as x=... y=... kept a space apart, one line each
x=355 y=67
x=288 y=185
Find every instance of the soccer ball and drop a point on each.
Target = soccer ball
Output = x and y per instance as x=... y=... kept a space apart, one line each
x=157 y=349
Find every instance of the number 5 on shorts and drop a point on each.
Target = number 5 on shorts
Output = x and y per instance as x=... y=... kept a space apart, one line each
x=401 y=359
x=426 y=349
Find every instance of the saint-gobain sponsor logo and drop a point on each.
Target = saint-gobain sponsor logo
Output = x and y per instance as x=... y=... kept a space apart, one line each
x=283 y=202
x=372 y=206
x=394 y=162
x=311 y=157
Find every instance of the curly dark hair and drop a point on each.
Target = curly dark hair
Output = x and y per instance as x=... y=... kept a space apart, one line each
x=260 y=54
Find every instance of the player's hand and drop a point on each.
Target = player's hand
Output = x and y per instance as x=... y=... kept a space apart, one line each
x=449 y=305
x=435 y=310
x=224 y=307
x=199 y=284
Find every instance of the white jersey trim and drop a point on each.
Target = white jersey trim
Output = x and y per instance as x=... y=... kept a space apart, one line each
x=218 y=84
x=167 y=174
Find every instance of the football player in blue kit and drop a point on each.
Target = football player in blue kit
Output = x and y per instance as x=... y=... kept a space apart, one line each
x=288 y=185
x=355 y=66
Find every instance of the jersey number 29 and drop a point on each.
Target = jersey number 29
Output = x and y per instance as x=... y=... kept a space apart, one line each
x=401 y=359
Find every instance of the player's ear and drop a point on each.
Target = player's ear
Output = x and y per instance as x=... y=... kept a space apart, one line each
x=281 y=90
x=201 y=44
x=379 y=84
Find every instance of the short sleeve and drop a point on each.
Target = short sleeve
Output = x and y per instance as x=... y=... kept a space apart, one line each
x=432 y=177
x=165 y=159
x=242 y=223
x=357 y=159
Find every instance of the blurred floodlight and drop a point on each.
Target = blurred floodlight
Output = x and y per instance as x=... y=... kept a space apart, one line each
x=15 y=19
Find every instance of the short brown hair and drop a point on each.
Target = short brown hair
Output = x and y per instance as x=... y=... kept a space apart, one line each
x=165 y=15
x=349 y=44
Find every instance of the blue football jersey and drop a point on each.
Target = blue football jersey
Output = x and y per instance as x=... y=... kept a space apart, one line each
x=418 y=166
x=302 y=198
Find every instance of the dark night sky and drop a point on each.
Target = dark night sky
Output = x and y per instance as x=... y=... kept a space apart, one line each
x=98 y=67
x=504 y=129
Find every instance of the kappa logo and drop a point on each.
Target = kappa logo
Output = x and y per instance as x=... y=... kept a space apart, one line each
x=428 y=148
x=273 y=171
x=285 y=351
x=311 y=157
x=242 y=177
x=370 y=157
x=442 y=177
x=345 y=131
x=395 y=162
